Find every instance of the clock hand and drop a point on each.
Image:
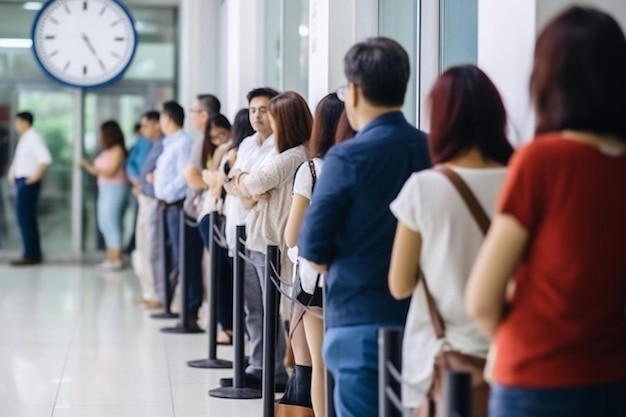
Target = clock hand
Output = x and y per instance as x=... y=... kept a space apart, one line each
x=89 y=45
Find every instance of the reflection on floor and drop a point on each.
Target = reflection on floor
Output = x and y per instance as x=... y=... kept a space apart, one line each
x=72 y=344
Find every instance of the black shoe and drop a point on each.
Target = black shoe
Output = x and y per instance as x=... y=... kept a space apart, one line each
x=252 y=382
x=26 y=262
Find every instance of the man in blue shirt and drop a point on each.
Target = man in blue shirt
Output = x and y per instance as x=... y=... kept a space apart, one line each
x=170 y=189
x=148 y=252
x=348 y=229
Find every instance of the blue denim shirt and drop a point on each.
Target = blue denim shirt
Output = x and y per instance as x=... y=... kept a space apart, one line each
x=149 y=165
x=349 y=226
x=136 y=158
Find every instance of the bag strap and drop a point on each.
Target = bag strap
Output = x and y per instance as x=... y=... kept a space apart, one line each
x=472 y=203
x=481 y=217
x=313 y=173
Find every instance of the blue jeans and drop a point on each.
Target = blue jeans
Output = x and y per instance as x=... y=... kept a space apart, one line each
x=605 y=400
x=26 y=211
x=351 y=355
x=112 y=199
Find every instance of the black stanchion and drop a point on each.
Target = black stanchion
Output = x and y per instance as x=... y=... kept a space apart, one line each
x=389 y=366
x=238 y=390
x=167 y=312
x=457 y=391
x=183 y=326
x=270 y=329
x=214 y=282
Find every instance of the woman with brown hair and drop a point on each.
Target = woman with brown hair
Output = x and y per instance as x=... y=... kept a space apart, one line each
x=327 y=116
x=270 y=187
x=437 y=233
x=113 y=190
x=560 y=342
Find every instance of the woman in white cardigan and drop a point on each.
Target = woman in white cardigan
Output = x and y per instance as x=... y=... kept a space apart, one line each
x=271 y=185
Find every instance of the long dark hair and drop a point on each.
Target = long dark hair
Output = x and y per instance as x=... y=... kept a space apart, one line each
x=327 y=115
x=467 y=112
x=208 y=147
x=241 y=128
x=344 y=130
x=578 y=80
x=111 y=135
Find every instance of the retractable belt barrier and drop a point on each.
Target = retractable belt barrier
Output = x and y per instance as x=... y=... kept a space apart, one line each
x=212 y=362
x=238 y=390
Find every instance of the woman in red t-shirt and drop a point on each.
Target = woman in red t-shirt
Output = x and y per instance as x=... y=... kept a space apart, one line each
x=560 y=343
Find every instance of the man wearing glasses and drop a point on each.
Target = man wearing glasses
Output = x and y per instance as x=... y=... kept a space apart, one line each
x=348 y=230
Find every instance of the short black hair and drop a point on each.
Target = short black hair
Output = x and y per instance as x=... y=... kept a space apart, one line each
x=137 y=128
x=262 y=92
x=26 y=116
x=152 y=115
x=175 y=112
x=380 y=67
x=209 y=103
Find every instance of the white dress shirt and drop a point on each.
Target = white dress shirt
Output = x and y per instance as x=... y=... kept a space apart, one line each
x=250 y=155
x=31 y=152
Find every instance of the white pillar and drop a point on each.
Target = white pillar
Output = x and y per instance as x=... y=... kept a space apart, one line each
x=334 y=27
x=244 y=62
x=197 y=72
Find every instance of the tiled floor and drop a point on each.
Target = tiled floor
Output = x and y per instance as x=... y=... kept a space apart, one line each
x=73 y=345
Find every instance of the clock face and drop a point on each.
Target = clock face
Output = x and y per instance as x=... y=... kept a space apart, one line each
x=84 y=43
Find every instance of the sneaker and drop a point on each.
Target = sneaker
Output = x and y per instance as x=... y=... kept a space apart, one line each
x=108 y=266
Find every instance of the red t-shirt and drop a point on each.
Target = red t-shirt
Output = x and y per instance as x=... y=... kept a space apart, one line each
x=567 y=322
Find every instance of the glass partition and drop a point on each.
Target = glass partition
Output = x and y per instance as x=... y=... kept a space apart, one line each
x=459 y=32
x=397 y=19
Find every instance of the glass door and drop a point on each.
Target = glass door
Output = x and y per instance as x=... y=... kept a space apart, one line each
x=124 y=105
x=53 y=109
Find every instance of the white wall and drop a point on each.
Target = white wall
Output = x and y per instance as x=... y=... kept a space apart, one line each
x=506 y=36
x=335 y=25
x=546 y=9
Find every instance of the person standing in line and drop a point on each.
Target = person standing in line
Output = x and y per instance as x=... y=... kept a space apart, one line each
x=558 y=235
x=32 y=159
x=252 y=152
x=204 y=107
x=170 y=189
x=113 y=191
x=348 y=229
x=136 y=156
x=148 y=239
x=436 y=231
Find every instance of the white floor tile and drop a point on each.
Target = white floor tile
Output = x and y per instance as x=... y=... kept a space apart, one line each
x=74 y=345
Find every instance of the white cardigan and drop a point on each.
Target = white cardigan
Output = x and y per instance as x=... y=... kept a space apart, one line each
x=266 y=222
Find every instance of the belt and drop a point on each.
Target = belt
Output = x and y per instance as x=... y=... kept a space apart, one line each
x=177 y=204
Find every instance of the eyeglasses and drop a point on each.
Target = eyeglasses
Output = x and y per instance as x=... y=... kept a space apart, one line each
x=341 y=92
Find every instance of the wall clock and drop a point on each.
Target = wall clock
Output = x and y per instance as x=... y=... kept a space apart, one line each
x=84 y=43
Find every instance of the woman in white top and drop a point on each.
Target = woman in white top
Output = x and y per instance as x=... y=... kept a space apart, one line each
x=325 y=122
x=436 y=231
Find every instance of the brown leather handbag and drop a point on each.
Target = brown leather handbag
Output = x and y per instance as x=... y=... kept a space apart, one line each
x=449 y=359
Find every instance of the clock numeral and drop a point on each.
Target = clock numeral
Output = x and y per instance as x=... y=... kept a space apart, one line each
x=53 y=20
x=103 y=9
x=85 y=70
x=117 y=22
x=53 y=54
x=115 y=55
x=67 y=66
x=120 y=39
x=101 y=65
x=50 y=37
x=84 y=5
x=67 y=9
